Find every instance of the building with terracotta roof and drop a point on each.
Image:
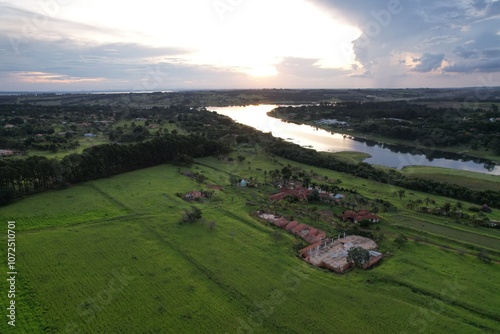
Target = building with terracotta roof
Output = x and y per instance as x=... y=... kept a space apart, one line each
x=332 y=253
x=300 y=193
x=355 y=217
x=306 y=232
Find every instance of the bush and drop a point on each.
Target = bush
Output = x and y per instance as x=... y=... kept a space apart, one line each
x=358 y=255
x=191 y=215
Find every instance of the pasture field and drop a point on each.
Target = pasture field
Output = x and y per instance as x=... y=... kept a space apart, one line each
x=471 y=180
x=351 y=156
x=451 y=231
x=84 y=143
x=109 y=256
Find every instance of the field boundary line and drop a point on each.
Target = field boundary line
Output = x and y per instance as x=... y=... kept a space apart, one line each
x=85 y=223
x=428 y=293
x=246 y=304
x=108 y=196
x=452 y=227
x=455 y=241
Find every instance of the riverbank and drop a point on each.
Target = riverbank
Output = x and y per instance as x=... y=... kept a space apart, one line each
x=321 y=140
x=464 y=151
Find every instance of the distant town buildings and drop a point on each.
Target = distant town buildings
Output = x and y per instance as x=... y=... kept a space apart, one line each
x=331 y=122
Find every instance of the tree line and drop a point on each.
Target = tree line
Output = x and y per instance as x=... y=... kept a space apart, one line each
x=311 y=157
x=20 y=177
x=425 y=126
x=223 y=129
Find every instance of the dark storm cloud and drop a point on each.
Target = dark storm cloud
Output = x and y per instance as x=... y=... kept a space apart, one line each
x=472 y=66
x=428 y=62
x=434 y=30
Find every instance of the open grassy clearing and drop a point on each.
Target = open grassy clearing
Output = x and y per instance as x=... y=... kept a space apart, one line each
x=84 y=143
x=137 y=270
x=351 y=156
x=450 y=231
x=76 y=205
x=471 y=180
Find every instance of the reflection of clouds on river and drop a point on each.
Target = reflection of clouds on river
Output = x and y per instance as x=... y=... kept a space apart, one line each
x=321 y=140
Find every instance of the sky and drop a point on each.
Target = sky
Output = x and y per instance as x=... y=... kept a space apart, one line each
x=155 y=45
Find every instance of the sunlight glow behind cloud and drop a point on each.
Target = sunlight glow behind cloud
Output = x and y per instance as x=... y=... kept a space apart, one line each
x=251 y=37
x=247 y=43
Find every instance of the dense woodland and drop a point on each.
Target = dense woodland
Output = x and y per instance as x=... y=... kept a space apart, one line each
x=210 y=133
x=19 y=177
x=425 y=126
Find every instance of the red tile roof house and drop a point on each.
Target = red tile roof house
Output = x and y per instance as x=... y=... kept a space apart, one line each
x=193 y=195
x=281 y=222
x=291 y=226
x=359 y=216
x=332 y=253
x=300 y=193
x=306 y=232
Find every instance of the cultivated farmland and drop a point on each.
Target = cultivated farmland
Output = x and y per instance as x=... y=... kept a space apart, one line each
x=109 y=256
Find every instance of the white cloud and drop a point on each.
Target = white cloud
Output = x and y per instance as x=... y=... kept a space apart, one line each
x=289 y=43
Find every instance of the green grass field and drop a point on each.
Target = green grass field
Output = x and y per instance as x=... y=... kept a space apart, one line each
x=351 y=156
x=109 y=256
x=471 y=180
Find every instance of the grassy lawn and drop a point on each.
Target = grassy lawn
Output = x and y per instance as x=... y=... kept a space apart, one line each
x=451 y=231
x=84 y=143
x=471 y=180
x=109 y=256
x=351 y=157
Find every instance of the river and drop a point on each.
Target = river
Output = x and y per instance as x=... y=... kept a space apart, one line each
x=321 y=140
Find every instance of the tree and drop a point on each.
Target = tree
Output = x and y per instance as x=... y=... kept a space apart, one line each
x=240 y=158
x=184 y=160
x=446 y=207
x=401 y=193
x=191 y=215
x=306 y=180
x=358 y=255
x=275 y=174
x=314 y=196
x=286 y=172
x=7 y=196
x=495 y=145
